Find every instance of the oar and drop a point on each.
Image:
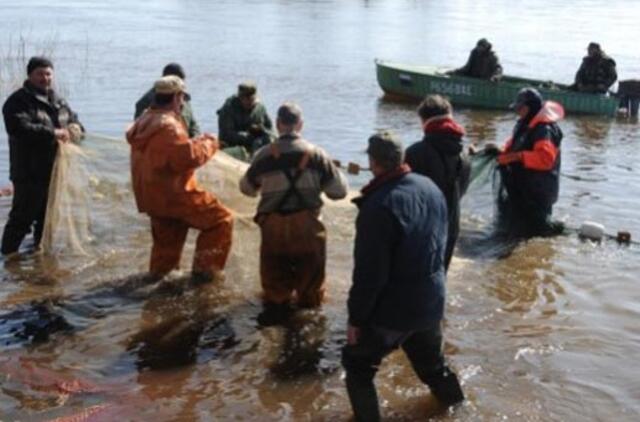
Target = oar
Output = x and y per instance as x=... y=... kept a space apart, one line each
x=352 y=168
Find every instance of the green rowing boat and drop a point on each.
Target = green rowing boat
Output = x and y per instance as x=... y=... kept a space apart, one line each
x=416 y=82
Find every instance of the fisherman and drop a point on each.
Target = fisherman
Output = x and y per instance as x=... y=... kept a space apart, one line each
x=243 y=120
x=529 y=166
x=440 y=157
x=187 y=112
x=597 y=72
x=163 y=160
x=482 y=63
x=398 y=294
x=36 y=119
x=290 y=175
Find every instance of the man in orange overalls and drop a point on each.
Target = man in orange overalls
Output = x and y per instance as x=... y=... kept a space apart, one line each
x=163 y=161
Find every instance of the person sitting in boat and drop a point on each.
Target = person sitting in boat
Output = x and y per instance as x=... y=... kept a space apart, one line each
x=529 y=166
x=243 y=120
x=483 y=63
x=597 y=72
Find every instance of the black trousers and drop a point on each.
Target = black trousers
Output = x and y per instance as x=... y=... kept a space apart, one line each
x=424 y=350
x=28 y=211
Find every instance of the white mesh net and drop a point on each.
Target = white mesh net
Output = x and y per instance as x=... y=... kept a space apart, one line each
x=91 y=209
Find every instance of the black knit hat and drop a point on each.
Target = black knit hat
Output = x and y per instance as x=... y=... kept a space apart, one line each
x=529 y=97
x=594 y=45
x=174 y=69
x=36 y=62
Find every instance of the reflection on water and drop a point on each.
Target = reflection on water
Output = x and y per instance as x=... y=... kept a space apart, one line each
x=482 y=126
x=526 y=281
x=592 y=131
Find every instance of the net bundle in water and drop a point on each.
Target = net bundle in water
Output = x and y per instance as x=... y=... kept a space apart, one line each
x=67 y=220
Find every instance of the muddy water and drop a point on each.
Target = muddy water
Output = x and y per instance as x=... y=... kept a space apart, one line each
x=548 y=333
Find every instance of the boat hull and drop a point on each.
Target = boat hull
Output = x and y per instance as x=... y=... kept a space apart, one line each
x=415 y=82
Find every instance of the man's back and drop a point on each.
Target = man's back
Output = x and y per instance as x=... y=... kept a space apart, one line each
x=163 y=160
x=270 y=164
x=403 y=222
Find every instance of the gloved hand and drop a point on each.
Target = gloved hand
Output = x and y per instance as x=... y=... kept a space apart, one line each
x=256 y=130
x=491 y=148
x=509 y=158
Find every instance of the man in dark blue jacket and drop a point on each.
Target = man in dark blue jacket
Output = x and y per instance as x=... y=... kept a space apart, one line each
x=398 y=294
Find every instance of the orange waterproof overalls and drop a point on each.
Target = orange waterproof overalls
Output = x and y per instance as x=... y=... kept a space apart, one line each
x=163 y=161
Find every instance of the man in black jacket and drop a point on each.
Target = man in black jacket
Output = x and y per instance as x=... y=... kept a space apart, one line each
x=483 y=63
x=398 y=293
x=597 y=72
x=440 y=157
x=36 y=119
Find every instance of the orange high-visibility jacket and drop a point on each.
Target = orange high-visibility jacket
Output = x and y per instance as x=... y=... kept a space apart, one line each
x=163 y=161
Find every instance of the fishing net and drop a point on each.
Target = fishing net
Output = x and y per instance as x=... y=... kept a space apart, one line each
x=483 y=169
x=91 y=201
x=67 y=220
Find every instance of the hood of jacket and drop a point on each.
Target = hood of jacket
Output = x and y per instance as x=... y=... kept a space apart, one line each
x=147 y=125
x=444 y=134
x=550 y=112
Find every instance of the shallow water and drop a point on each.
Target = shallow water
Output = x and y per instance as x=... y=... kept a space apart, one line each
x=548 y=333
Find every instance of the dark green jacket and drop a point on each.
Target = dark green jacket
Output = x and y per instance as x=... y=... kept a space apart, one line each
x=596 y=74
x=187 y=113
x=234 y=123
x=481 y=64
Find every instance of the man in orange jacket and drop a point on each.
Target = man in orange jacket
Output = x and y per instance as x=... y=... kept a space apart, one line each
x=529 y=167
x=163 y=161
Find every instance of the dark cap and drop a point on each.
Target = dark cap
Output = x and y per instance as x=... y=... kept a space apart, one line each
x=247 y=89
x=529 y=97
x=36 y=62
x=483 y=42
x=174 y=69
x=289 y=114
x=386 y=149
x=594 y=45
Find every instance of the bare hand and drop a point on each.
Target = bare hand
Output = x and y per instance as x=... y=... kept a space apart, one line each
x=62 y=135
x=214 y=141
x=75 y=132
x=353 y=335
x=208 y=135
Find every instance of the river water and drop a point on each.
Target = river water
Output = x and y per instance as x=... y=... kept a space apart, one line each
x=548 y=333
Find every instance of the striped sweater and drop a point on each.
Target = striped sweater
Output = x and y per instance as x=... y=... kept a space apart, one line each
x=267 y=174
